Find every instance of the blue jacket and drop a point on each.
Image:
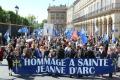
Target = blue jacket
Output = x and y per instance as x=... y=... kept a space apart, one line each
x=37 y=53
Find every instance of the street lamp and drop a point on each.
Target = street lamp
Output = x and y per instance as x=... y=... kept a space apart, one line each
x=8 y=21
x=16 y=9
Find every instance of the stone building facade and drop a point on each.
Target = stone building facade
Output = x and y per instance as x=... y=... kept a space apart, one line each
x=57 y=17
x=103 y=14
x=70 y=17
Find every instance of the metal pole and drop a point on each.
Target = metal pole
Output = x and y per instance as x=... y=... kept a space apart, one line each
x=9 y=23
x=68 y=3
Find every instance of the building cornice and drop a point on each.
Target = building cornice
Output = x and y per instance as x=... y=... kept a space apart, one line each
x=101 y=12
x=85 y=5
x=75 y=2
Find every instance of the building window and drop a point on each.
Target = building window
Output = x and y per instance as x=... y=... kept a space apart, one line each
x=57 y=15
x=62 y=16
x=52 y=16
x=98 y=6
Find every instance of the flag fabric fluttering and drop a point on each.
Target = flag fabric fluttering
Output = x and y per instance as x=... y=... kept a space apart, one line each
x=38 y=33
x=84 y=39
x=113 y=39
x=7 y=35
x=96 y=33
x=113 y=29
x=83 y=36
x=96 y=30
x=83 y=31
x=79 y=33
x=56 y=33
x=20 y=30
x=91 y=39
x=23 y=30
x=75 y=36
x=68 y=33
x=105 y=38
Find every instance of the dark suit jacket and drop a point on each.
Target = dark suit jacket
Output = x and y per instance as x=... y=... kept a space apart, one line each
x=90 y=54
x=103 y=54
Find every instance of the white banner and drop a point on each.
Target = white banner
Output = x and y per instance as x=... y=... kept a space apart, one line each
x=48 y=29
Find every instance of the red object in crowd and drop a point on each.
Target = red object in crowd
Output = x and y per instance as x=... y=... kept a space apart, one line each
x=91 y=38
x=1 y=54
x=75 y=36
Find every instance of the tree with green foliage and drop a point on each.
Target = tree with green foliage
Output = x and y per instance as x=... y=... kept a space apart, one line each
x=42 y=23
x=32 y=20
x=10 y=16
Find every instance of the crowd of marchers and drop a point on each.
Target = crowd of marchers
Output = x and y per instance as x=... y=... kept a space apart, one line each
x=57 y=47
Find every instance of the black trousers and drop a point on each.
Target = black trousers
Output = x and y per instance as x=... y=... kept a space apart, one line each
x=10 y=64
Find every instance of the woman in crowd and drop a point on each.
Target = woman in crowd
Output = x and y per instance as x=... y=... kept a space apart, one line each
x=78 y=54
x=46 y=52
x=27 y=51
x=52 y=53
x=68 y=51
x=17 y=52
x=42 y=49
x=37 y=53
x=10 y=58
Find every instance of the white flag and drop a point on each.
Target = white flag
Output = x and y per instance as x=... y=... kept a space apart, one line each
x=96 y=29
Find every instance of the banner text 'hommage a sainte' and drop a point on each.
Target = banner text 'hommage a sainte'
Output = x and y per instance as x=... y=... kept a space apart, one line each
x=64 y=66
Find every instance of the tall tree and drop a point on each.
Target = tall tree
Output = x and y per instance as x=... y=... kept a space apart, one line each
x=1 y=8
x=42 y=23
x=13 y=17
x=31 y=19
x=10 y=16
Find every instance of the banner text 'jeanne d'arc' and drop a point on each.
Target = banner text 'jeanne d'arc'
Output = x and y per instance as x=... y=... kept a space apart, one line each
x=63 y=66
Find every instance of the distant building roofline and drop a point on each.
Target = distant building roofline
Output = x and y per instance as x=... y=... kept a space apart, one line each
x=61 y=7
x=75 y=2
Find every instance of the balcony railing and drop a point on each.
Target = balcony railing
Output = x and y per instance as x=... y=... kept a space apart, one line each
x=98 y=12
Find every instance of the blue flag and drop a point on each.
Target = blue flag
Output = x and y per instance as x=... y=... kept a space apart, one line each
x=7 y=35
x=20 y=30
x=37 y=53
x=38 y=33
x=113 y=39
x=56 y=32
x=84 y=39
x=83 y=36
x=23 y=30
x=81 y=32
x=69 y=34
x=105 y=38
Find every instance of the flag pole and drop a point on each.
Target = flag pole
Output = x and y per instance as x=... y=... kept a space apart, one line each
x=53 y=2
x=68 y=3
